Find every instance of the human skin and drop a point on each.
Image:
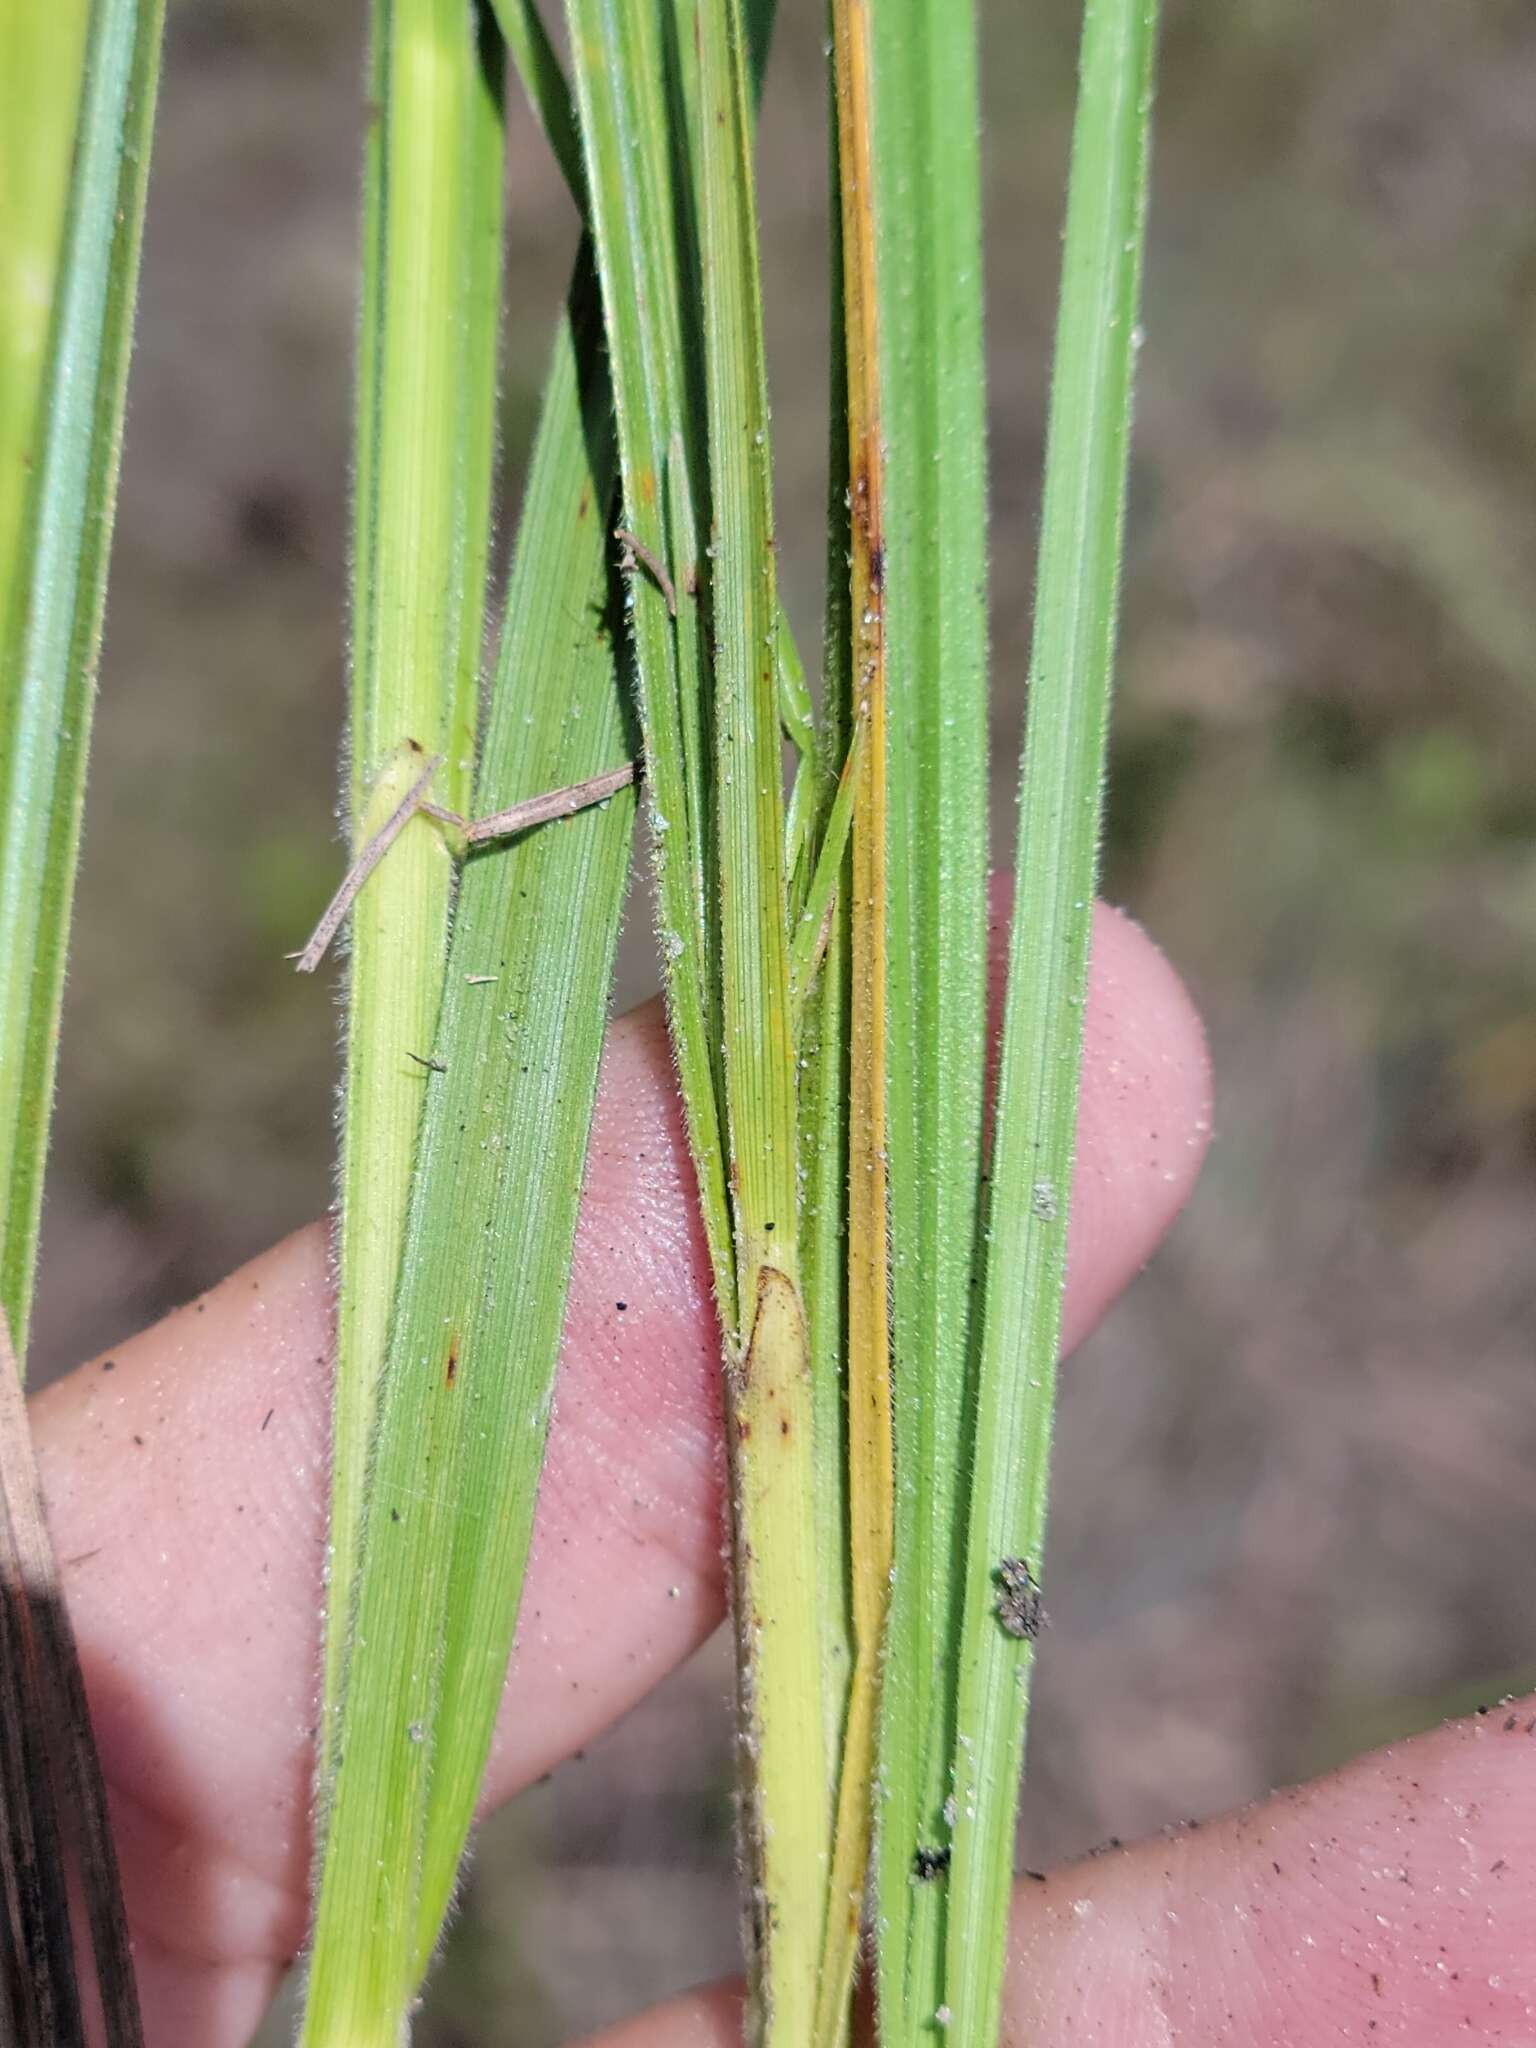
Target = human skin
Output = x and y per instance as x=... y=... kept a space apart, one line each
x=185 y=1477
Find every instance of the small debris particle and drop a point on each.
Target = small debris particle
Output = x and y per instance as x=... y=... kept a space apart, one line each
x=479 y=980
x=942 y=2017
x=432 y=1066
x=929 y=1863
x=139 y=1441
x=109 y=1365
x=394 y=1514
x=1018 y=1603
x=416 y=1732
x=621 y=1306
x=632 y=550
x=268 y=1417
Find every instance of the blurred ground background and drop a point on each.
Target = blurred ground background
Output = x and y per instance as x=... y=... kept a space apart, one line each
x=1295 y=1511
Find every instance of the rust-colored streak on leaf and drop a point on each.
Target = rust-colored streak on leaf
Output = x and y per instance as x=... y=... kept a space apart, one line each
x=451 y=1371
x=870 y=1483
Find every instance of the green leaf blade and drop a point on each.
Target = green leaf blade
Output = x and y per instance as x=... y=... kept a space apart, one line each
x=620 y=64
x=759 y=1051
x=464 y=1402
x=50 y=630
x=928 y=215
x=425 y=441
x=1070 y=676
x=42 y=52
x=537 y=63
x=560 y=712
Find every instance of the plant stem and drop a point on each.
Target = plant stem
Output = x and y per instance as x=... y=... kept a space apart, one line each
x=771 y=1405
x=871 y=1509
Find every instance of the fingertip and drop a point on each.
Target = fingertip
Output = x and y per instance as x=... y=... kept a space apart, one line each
x=1390 y=1901
x=1144 y=1118
x=710 y=2017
